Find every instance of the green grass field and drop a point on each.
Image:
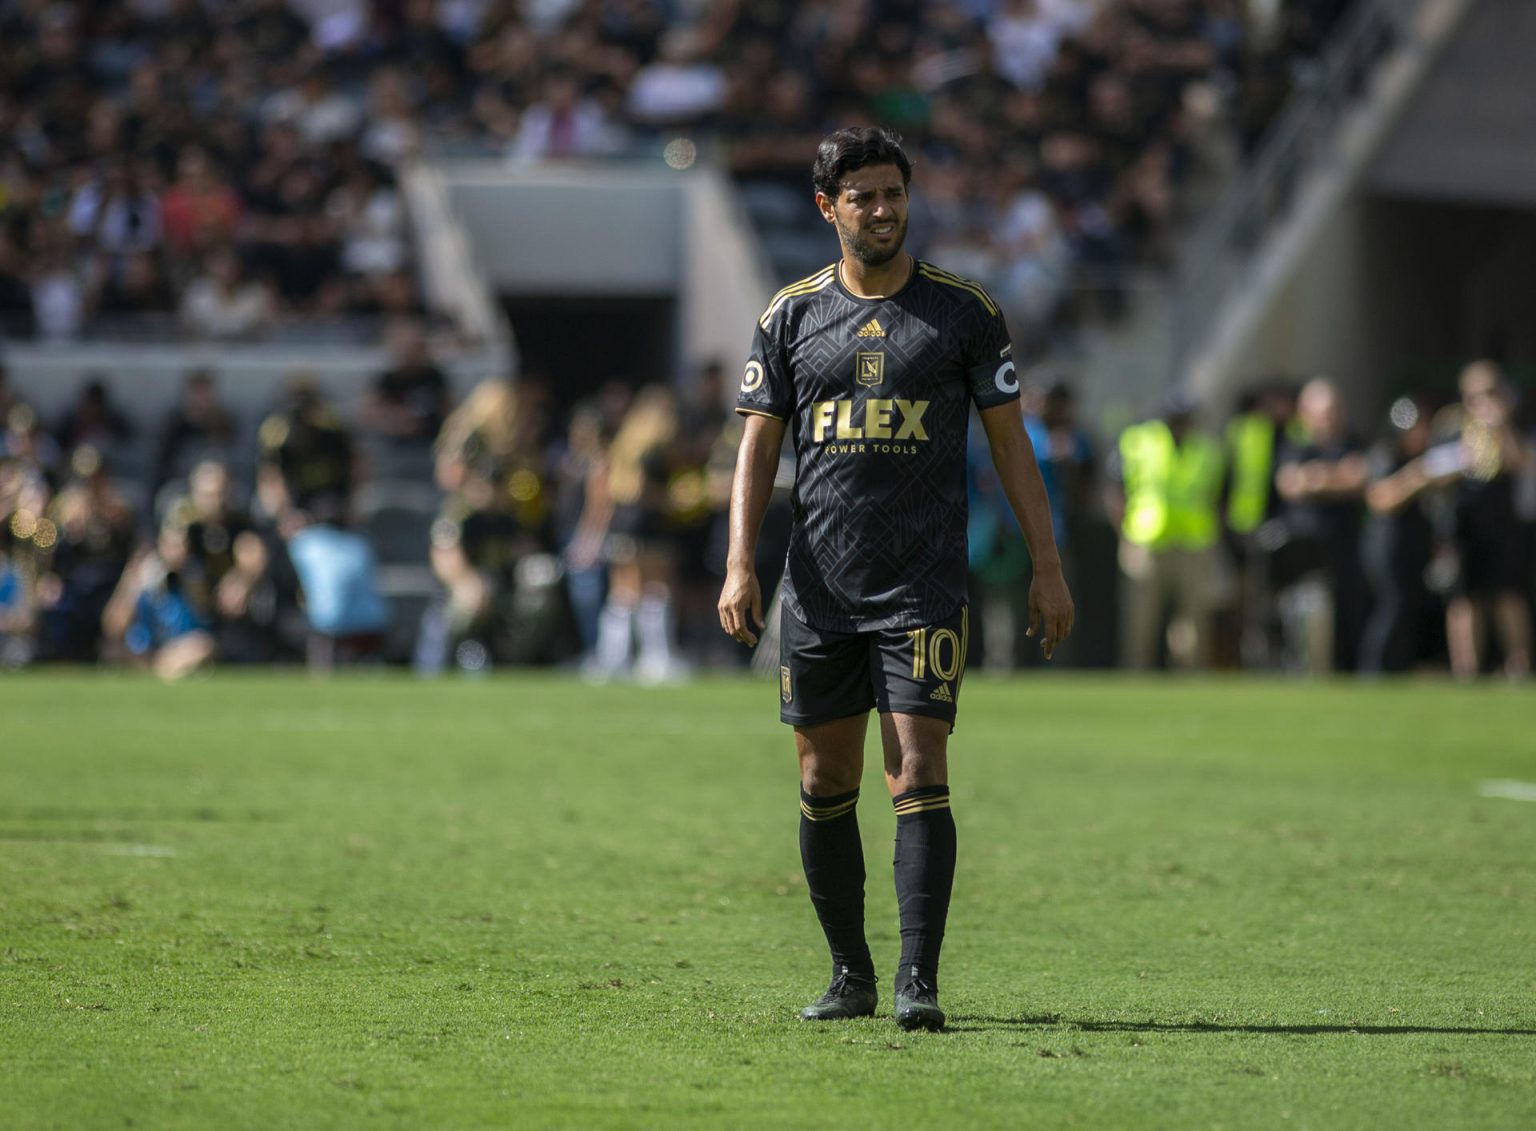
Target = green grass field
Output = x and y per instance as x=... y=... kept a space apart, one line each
x=268 y=902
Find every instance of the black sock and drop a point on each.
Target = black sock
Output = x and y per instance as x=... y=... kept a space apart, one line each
x=833 y=857
x=925 y=875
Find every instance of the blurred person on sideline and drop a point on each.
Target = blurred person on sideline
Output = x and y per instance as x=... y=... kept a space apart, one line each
x=18 y=614
x=492 y=545
x=197 y=427
x=408 y=401
x=636 y=633
x=1399 y=538
x=702 y=413
x=1255 y=435
x=999 y=557
x=583 y=512
x=337 y=571
x=1165 y=492
x=306 y=456
x=211 y=520
x=1321 y=477
x=95 y=538
x=1485 y=532
x=159 y=609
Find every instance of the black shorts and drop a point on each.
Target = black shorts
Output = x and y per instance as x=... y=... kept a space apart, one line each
x=832 y=675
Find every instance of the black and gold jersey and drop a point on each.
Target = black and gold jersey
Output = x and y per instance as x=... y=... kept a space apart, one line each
x=877 y=394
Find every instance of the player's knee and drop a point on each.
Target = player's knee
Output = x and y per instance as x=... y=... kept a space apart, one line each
x=827 y=778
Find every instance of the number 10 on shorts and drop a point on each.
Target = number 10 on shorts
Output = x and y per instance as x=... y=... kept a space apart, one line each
x=941 y=650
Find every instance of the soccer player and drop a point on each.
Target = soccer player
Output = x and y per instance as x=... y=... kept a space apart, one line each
x=873 y=364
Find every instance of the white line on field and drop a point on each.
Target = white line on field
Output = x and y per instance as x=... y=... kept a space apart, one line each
x=138 y=850
x=1507 y=788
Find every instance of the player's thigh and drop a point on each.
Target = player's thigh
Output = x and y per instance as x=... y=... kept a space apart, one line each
x=917 y=671
x=831 y=755
x=823 y=676
x=916 y=751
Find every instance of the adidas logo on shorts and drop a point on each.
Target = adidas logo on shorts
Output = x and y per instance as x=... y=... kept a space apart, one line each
x=941 y=694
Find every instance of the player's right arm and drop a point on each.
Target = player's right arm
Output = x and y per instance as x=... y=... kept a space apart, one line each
x=757 y=461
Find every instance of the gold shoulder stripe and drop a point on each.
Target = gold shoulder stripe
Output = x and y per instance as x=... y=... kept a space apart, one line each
x=938 y=276
x=804 y=286
x=757 y=412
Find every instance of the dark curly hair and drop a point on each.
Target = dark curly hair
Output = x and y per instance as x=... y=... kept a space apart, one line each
x=842 y=152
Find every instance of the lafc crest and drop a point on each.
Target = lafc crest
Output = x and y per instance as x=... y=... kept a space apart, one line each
x=785 y=692
x=871 y=367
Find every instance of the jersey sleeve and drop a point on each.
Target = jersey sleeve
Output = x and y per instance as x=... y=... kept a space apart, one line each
x=766 y=385
x=988 y=357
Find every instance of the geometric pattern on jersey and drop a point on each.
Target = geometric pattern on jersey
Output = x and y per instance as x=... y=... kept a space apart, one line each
x=877 y=394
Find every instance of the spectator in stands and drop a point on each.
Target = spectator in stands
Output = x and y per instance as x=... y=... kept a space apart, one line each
x=563 y=124
x=95 y=421
x=320 y=112
x=16 y=316
x=371 y=219
x=681 y=87
x=32 y=454
x=158 y=610
x=199 y=211
x=392 y=135
x=116 y=212
x=1321 y=475
x=1488 y=549
x=136 y=287
x=226 y=304
x=199 y=427
x=306 y=458
x=58 y=294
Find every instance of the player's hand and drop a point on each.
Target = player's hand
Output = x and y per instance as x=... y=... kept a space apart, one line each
x=741 y=606
x=1050 y=609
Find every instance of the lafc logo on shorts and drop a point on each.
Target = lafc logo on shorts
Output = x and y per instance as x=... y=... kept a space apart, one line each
x=871 y=367
x=784 y=690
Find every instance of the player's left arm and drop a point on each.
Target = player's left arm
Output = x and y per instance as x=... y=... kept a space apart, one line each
x=1050 y=602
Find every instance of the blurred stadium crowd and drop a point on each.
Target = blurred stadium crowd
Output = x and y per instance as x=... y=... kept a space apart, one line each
x=231 y=171
x=228 y=170
x=1292 y=538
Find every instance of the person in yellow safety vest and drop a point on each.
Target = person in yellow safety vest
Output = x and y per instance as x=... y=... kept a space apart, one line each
x=1170 y=478
x=1265 y=418
x=1253 y=437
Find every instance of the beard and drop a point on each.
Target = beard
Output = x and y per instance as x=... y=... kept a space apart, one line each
x=869 y=253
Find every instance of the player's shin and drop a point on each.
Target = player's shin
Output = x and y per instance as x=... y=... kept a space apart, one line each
x=925 y=874
x=833 y=857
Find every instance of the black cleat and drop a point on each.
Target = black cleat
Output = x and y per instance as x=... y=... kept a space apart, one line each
x=849 y=995
x=917 y=1006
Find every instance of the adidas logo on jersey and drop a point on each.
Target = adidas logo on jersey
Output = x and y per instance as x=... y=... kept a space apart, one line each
x=940 y=694
x=871 y=329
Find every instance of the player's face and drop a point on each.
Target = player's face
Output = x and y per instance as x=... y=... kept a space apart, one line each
x=870 y=213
